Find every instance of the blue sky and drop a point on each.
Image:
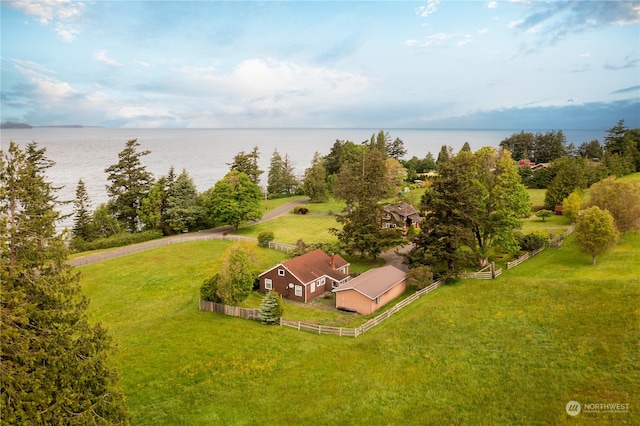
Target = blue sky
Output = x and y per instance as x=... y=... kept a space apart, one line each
x=375 y=64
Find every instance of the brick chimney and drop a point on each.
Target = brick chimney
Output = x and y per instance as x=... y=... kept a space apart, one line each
x=333 y=261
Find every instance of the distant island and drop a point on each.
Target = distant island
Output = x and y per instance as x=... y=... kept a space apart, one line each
x=10 y=125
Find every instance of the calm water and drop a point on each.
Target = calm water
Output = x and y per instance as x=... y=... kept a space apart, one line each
x=84 y=153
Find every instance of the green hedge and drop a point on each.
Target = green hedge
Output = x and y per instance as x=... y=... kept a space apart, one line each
x=117 y=240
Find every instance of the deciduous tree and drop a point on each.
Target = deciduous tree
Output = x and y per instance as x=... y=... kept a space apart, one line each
x=53 y=362
x=596 y=232
x=234 y=200
x=621 y=198
x=571 y=205
x=315 y=180
x=236 y=274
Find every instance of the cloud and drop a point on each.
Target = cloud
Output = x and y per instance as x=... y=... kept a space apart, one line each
x=629 y=62
x=101 y=56
x=441 y=39
x=64 y=14
x=554 y=21
x=492 y=5
x=631 y=89
x=428 y=9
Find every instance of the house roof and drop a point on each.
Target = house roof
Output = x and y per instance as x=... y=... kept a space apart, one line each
x=375 y=282
x=400 y=211
x=315 y=264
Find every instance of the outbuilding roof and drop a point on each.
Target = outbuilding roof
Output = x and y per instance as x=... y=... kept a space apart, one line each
x=375 y=282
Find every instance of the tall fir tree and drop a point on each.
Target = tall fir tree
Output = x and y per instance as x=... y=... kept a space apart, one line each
x=53 y=362
x=130 y=182
x=82 y=217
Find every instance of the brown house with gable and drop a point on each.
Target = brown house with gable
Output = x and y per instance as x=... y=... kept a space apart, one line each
x=306 y=277
x=401 y=215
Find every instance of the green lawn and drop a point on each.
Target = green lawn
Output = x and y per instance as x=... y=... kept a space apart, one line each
x=513 y=350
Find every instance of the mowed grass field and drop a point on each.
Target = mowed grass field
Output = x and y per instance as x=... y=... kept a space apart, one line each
x=513 y=350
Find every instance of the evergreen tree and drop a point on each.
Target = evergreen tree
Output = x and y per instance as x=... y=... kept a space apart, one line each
x=474 y=203
x=520 y=145
x=130 y=182
x=466 y=147
x=275 y=180
x=271 y=308
x=549 y=146
x=248 y=164
x=183 y=208
x=83 y=227
x=289 y=179
x=315 y=183
x=591 y=150
x=570 y=175
x=396 y=149
x=445 y=153
x=53 y=362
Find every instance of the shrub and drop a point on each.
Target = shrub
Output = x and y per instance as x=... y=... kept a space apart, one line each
x=419 y=277
x=533 y=240
x=209 y=288
x=544 y=214
x=118 y=240
x=264 y=238
x=271 y=308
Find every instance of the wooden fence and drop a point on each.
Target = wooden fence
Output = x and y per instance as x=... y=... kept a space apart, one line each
x=489 y=272
x=524 y=257
x=315 y=328
x=233 y=311
x=556 y=242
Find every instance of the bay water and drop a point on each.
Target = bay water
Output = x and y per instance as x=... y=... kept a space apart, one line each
x=84 y=153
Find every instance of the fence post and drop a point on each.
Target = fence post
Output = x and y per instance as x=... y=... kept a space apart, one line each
x=493 y=270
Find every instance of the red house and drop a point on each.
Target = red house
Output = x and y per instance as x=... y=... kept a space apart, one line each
x=306 y=277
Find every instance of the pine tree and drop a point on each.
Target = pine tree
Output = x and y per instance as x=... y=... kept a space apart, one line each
x=130 y=182
x=53 y=362
x=271 y=308
x=275 y=180
x=183 y=210
x=82 y=222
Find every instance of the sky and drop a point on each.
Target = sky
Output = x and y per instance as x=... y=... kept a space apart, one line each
x=515 y=64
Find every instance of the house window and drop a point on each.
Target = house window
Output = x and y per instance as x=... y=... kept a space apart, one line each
x=377 y=300
x=313 y=287
x=281 y=272
x=299 y=290
x=321 y=281
x=268 y=285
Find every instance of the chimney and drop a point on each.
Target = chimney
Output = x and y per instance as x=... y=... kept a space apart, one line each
x=333 y=261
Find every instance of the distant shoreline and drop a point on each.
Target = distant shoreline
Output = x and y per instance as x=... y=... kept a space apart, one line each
x=10 y=125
